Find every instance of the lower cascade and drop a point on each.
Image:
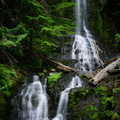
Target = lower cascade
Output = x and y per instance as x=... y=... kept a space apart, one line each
x=63 y=102
x=32 y=102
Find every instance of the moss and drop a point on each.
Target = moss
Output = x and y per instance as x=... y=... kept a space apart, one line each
x=96 y=103
x=3 y=108
x=100 y=22
x=52 y=79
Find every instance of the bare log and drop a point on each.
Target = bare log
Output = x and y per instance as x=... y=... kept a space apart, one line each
x=104 y=72
x=61 y=66
x=113 y=71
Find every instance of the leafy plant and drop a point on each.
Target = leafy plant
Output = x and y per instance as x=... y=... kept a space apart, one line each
x=118 y=65
x=115 y=116
x=101 y=90
x=115 y=90
x=12 y=38
x=7 y=75
x=53 y=78
x=106 y=101
x=84 y=92
x=92 y=112
x=117 y=40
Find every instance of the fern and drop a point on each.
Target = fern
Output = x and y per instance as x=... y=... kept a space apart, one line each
x=63 y=5
x=7 y=75
x=42 y=17
x=35 y=4
x=19 y=38
x=57 y=30
x=8 y=43
x=13 y=37
x=48 y=43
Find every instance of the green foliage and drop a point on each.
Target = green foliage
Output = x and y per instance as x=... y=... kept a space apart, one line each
x=41 y=74
x=63 y=5
x=117 y=41
x=45 y=26
x=57 y=30
x=101 y=90
x=12 y=38
x=103 y=2
x=38 y=26
x=35 y=4
x=7 y=76
x=63 y=8
x=53 y=78
x=106 y=100
x=72 y=99
x=100 y=24
x=3 y=107
x=115 y=116
x=118 y=65
x=115 y=90
x=107 y=113
x=84 y=92
x=92 y=112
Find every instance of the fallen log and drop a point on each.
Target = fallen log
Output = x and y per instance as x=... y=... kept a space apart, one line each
x=113 y=71
x=104 y=72
x=61 y=66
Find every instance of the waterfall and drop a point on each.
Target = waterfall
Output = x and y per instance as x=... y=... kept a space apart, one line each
x=63 y=102
x=32 y=103
x=84 y=48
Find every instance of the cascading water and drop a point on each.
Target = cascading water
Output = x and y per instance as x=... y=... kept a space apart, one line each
x=63 y=102
x=84 y=48
x=32 y=103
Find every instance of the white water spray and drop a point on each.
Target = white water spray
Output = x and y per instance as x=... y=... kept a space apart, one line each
x=63 y=102
x=33 y=103
x=84 y=48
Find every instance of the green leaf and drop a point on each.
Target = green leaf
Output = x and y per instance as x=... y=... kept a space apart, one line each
x=35 y=4
x=48 y=43
x=63 y=5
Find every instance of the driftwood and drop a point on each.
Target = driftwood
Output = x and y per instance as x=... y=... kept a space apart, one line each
x=104 y=72
x=61 y=66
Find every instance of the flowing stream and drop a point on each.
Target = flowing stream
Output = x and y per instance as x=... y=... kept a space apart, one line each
x=63 y=102
x=84 y=48
x=32 y=103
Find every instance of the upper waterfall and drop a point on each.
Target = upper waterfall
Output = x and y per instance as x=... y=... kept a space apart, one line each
x=84 y=47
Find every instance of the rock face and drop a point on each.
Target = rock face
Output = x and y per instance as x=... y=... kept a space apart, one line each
x=55 y=91
x=101 y=102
